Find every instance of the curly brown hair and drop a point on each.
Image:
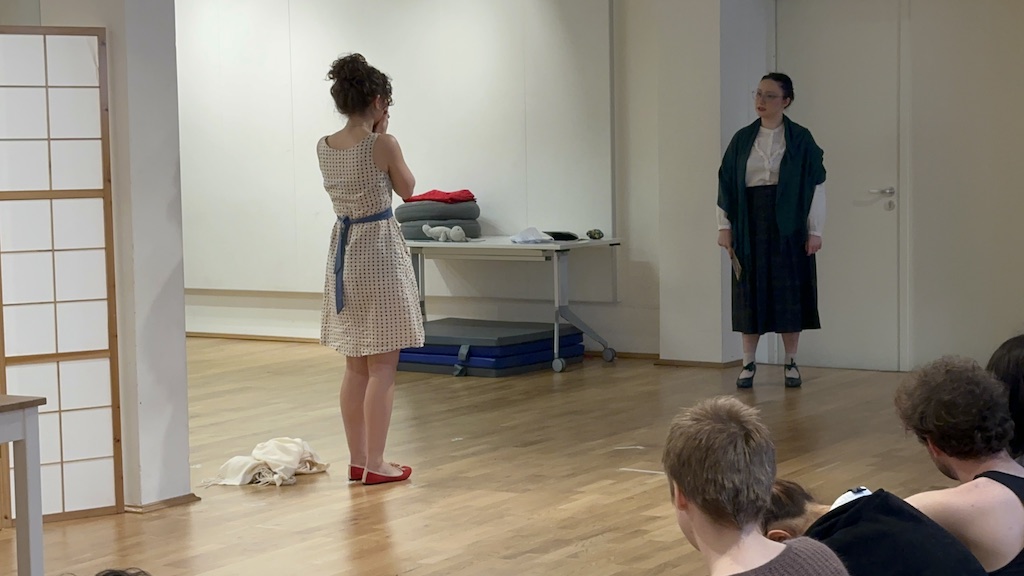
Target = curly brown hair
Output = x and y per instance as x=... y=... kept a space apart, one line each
x=722 y=458
x=959 y=406
x=356 y=84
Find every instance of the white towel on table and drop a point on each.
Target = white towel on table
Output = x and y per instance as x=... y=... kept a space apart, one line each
x=275 y=461
x=531 y=236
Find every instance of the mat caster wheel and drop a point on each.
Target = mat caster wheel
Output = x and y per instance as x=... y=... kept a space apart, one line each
x=558 y=364
x=608 y=354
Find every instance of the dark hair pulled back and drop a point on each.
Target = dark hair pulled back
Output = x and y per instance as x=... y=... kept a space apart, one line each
x=356 y=84
x=784 y=82
x=1007 y=363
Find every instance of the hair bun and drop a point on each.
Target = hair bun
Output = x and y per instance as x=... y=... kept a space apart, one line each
x=349 y=68
x=356 y=84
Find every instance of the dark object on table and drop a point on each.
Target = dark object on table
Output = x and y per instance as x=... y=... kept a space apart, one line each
x=562 y=236
x=595 y=234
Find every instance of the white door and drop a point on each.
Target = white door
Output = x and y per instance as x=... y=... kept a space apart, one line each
x=843 y=57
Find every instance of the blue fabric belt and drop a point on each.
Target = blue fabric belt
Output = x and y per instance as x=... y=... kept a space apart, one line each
x=339 y=256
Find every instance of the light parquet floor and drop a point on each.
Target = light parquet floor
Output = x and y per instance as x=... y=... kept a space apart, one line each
x=539 y=474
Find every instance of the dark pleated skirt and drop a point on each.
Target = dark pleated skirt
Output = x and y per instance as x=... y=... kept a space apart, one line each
x=778 y=288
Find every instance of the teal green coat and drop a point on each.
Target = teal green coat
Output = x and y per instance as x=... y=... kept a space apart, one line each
x=801 y=170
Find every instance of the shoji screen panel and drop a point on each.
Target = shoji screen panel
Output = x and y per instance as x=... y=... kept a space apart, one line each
x=57 y=306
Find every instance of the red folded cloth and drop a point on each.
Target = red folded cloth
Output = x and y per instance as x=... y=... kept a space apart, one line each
x=446 y=197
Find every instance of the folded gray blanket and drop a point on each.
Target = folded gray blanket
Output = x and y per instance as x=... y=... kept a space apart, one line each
x=428 y=210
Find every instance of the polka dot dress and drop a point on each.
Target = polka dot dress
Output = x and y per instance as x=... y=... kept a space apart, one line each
x=382 y=309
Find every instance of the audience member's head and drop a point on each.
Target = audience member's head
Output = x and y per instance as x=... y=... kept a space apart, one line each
x=958 y=410
x=791 y=511
x=128 y=572
x=1007 y=363
x=720 y=462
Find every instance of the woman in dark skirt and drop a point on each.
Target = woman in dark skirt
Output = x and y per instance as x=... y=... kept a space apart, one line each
x=771 y=211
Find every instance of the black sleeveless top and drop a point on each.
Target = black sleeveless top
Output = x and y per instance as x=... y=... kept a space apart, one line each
x=1016 y=485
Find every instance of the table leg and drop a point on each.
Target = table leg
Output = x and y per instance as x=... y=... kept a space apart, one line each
x=418 y=262
x=29 y=506
x=561 y=294
x=562 y=309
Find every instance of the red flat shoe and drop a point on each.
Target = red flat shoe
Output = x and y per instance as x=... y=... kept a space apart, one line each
x=372 y=478
x=355 y=473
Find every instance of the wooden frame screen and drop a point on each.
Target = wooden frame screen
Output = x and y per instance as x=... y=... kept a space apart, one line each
x=58 y=322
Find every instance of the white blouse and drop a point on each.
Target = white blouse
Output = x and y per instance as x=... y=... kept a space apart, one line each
x=763 y=170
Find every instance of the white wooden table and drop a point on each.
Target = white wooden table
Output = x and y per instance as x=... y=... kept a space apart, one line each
x=19 y=423
x=502 y=248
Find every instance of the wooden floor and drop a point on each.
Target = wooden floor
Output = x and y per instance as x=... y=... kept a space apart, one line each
x=540 y=474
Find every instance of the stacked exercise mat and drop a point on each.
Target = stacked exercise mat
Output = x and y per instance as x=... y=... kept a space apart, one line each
x=464 y=347
x=438 y=208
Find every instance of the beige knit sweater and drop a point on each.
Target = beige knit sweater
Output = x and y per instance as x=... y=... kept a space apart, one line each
x=802 y=557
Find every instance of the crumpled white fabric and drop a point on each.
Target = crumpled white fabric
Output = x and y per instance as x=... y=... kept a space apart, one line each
x=275 y=461
x=531 y=236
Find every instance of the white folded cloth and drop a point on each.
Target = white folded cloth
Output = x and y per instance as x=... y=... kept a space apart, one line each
x=531 y=236
x=275 y=461
x=850 y=496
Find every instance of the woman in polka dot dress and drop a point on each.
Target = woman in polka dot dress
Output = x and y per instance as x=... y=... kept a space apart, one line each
x=371 y=304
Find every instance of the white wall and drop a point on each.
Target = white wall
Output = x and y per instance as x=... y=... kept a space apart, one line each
x=19 y=13
x=664 y=201
x=747 y=54
x=689 y=148
x=712 y=54
x=967 y=277
x=148 y=249
x=530 y=134
x=632 y=323
x=511 y=100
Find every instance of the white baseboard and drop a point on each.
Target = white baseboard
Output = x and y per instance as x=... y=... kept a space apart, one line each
x=289 y=316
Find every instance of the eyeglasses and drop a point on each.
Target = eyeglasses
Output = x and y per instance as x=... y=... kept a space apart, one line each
x=766 y=97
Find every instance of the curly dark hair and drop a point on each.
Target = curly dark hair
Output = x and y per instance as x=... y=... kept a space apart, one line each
x=356 y=84
x=1007 y=363
x=959 y=406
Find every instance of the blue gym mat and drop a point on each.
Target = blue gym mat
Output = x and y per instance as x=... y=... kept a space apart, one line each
x=491 y=348
x=474 y=361
x=544 y=345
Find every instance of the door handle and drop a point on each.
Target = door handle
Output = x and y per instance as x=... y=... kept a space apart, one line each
x=890 y=191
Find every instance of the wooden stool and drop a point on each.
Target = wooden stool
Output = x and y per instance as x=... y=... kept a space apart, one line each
x=19 y=423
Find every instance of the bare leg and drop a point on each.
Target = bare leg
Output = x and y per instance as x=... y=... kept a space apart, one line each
x=749 y=353
x=380 y=394
x=353 y=395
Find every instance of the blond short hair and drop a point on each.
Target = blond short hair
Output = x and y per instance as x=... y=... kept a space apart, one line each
x=721 y=457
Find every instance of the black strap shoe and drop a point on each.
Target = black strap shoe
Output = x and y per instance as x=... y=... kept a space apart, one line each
x=747 y=382
x=793 y=382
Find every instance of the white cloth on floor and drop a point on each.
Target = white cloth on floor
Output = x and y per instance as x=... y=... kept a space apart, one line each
x=531 y=236
x=275 y=461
